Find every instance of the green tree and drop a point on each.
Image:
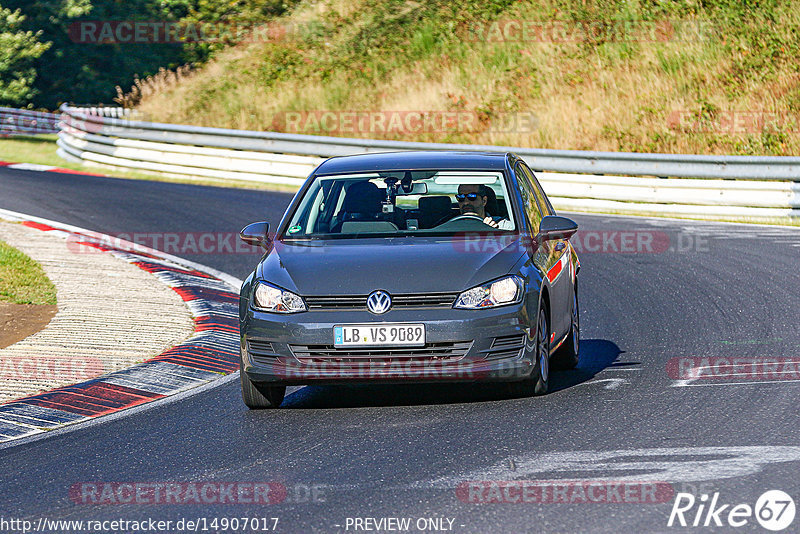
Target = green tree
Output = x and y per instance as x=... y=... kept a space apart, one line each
x=19 y=50
x=88 y=72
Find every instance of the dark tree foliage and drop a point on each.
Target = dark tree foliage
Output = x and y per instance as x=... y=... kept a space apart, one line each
x=18 y=50
x=88 y=72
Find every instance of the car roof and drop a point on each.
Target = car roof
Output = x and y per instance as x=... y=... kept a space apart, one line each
x=401 y=161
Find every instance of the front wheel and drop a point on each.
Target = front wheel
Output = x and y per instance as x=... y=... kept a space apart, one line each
x=567 y=355
x=259 y=396
x=537 y=383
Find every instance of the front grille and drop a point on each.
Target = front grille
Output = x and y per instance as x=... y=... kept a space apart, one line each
x=445 y=352
x=261 y=351
x=359 y=302
x=505 y=347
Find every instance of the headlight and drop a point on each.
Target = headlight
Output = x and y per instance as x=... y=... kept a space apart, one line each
x=274 y=299
x=507 y=290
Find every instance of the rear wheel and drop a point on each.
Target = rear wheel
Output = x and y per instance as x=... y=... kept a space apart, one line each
x=567 y=355
x=537 y=383
x=259 y=396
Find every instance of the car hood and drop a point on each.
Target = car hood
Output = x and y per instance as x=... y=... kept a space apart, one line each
x=396 y=265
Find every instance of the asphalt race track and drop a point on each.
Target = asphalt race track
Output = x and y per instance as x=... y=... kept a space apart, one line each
x=687 y=291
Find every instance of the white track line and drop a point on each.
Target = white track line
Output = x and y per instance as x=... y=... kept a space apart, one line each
x=234 y=282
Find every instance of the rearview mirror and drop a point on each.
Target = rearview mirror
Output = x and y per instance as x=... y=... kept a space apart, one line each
x=417 y=188
x=256 y=234
x=556 y=227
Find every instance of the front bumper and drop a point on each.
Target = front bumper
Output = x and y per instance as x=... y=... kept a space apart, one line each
x=487 y=345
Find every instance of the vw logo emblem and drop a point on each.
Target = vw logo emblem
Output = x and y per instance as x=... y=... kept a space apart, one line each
x=379 y=302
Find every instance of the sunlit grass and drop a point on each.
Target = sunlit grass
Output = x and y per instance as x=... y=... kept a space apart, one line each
x=22 y=280
x=606 y=95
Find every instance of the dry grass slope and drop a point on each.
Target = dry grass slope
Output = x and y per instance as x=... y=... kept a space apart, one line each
x=719 y=77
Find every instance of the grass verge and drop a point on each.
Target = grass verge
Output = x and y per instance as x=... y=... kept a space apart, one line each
x=22 y=280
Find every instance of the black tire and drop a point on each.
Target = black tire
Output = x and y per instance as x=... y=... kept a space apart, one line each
x=538 y=382
x=566 y=357
x=260 y=396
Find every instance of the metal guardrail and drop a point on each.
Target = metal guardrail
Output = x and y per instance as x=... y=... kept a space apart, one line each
x=26 y=122
x=739 y=186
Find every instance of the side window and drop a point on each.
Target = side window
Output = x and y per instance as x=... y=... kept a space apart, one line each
x=544 y=205
x=529 y=201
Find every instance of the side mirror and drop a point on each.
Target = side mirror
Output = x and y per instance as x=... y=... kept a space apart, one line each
x=256 y=234
x=556 y=227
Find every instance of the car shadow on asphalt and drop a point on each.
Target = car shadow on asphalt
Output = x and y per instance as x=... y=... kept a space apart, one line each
x=595 y=355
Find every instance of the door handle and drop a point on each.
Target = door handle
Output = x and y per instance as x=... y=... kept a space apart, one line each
x=560 y=246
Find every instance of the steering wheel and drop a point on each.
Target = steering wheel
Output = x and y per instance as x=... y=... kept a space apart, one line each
x=467 y=216
x=447 y=218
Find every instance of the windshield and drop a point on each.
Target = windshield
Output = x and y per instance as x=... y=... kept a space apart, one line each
x=403 y=203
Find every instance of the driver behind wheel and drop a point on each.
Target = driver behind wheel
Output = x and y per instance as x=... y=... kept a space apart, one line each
x=472 y=199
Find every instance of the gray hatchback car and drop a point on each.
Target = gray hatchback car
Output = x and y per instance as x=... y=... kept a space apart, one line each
x=411 y=267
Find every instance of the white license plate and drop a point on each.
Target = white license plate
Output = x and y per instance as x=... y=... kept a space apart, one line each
x=379 y=335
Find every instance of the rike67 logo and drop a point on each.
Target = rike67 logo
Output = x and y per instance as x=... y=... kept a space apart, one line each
x=774 y=510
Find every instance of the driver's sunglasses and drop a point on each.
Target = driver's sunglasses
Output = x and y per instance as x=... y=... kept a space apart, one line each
x=462 y=196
